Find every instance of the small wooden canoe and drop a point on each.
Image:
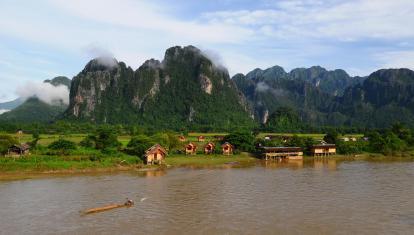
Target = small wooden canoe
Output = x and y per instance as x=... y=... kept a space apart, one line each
x=105 y=208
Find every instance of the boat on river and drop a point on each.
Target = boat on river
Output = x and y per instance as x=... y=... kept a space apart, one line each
x=128 y=203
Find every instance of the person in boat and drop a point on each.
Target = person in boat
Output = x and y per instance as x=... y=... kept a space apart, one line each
x=129 y=202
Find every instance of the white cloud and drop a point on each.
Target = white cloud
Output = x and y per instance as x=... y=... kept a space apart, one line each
x=145 y=16
x=396 y=59
x=44 y=91
x=343 y=20
x=3 y=111
x=292 y=33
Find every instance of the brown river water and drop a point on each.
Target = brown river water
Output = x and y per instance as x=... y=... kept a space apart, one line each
x=315 y=197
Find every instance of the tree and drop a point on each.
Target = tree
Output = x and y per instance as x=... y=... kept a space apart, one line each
x=402 y=132
x=88 y=141
x=295 y=141
x=392 y=143
x=331 y=137
x=106 y=138
x=62 y=146
x=284 y=119
x=36 y=138
x=243 y=141
x=168 y=140
x=6 y=141
x=138 y=144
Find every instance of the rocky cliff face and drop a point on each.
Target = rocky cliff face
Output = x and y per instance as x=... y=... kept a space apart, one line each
x=332 y=98
x=185 y=88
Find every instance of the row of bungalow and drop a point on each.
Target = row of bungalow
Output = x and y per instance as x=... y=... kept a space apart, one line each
x=156 y=154
x=296 y=153
x=226 y=148
x=201 y=138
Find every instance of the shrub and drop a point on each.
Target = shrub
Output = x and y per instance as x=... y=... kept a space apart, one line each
x=106 y=138
x=331 y=137
x=138 y=144
x=88 y=142
x=6 y=141
x=62 y=146
x=243 y=141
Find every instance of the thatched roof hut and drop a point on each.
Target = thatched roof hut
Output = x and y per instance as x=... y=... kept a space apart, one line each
x=155 y=155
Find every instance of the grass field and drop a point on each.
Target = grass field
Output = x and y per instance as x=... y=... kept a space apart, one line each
x=192 y=137
x=91 y=159
x=311 y=135
x=202 y=160
x=42 y=163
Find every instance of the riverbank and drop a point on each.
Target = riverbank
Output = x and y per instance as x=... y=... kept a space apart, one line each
x=41 y=166
x=50 y=166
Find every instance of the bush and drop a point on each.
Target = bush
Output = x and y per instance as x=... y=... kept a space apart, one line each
x=106 y=138
x=138 y=144
x=331 y=137
x=88 y=142
x=62 y=144
x=243 y=141
x=6 y=141
x=168 y=140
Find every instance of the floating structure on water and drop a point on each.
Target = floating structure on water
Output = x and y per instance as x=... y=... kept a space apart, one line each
x=273 y=153
x=323 y=150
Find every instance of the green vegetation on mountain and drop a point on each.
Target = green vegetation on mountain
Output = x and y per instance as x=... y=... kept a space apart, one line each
x=377 y=101
x=33 y=110
x=185 y=90
x=11 y=104
x=60 y=80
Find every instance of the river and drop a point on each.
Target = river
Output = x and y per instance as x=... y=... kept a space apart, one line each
x=315 y=197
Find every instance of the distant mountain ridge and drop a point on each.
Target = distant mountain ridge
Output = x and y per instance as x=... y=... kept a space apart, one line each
x=35 y=110
x=332 y=98
x=185 y=89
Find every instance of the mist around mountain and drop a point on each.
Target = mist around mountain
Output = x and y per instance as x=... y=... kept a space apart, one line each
x=184 y=90
x=331 y=98
x=45 y=108
x=188 y=90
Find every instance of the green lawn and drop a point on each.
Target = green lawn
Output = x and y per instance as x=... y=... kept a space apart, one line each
x=202 y=160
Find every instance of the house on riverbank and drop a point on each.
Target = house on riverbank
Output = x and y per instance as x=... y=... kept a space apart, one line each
x=18 y=150
x=272 y=153
x=227 y=148
x=155 y=155
x=209 y=148
x=323 y=150
x=191 y=149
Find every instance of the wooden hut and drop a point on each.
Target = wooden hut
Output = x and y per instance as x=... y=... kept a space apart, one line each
x=18 y=150
x=209 y=148
x=294 y=153
x=227 y=148
x=323 y=149
x=155 y=155
x=190 y=148
x=182 y=138
x=201 y=138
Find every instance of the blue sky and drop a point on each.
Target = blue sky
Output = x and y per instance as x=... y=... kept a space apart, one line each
x=42 y=39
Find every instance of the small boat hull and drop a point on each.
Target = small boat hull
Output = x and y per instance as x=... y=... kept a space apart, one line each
x=105 y=208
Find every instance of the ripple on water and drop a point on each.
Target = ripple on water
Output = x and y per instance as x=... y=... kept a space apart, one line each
x=315 y=197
